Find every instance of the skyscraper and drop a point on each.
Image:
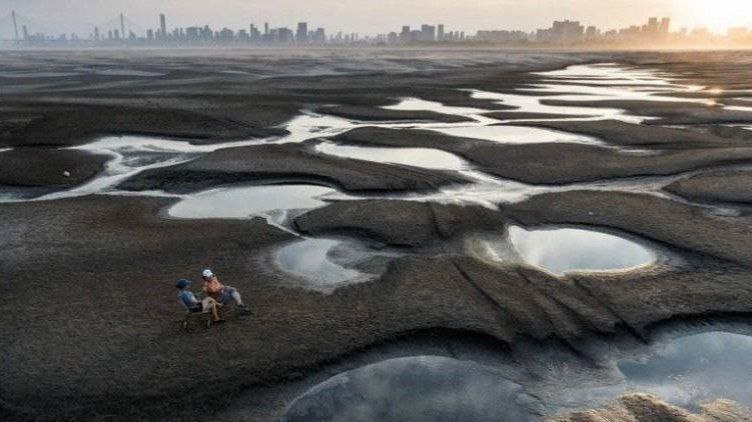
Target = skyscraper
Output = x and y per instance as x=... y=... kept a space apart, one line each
x=405 y=34
x=162 y=25
x=301 y=36
x=566 y=32
x=427 y=33
x=122 y=25
x=665 y=25
x=440 y=34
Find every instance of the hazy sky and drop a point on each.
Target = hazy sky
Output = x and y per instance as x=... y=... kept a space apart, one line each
x=373 y=16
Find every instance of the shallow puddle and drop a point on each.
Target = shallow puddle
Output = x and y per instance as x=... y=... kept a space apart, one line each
x=424 y=388
x=417 y=157
x=694 y=369
x=685 y=371
x=595 y=83
x=130 y=155
x=532 y=104
x=314 y=261
x=560 y=251
x=312 y=125
x=416 y=104
x=610 y=73
x=271 y=201
x=124 y=72
x=564 y=250
x=516 y=134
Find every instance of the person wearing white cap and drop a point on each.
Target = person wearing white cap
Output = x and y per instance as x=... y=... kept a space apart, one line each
x=193 y=305
x=219 y=292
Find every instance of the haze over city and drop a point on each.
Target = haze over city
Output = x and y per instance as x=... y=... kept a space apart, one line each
x=374 y=17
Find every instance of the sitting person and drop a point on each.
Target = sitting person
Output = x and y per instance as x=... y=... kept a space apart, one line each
x=219 y=292
x=193 y=305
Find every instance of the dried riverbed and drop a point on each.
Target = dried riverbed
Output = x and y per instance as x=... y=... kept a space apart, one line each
x=528 y=221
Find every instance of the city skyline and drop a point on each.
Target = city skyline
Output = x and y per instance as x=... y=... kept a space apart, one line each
x=119 y=32
x=380 y=17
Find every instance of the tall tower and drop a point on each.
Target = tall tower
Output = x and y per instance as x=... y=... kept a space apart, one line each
x=440 y=34
x=665 y=25
x=302 y=35
x=162 y=25
x=15 y=25
x=122 y=25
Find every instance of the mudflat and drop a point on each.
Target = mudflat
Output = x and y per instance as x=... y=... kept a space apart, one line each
x=429 y=260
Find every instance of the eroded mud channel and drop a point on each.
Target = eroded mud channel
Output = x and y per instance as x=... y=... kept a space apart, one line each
x=489 y=249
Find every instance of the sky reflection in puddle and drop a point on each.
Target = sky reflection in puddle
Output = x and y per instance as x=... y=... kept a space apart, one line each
x=418 y=157
x=563 y=250
x=131 y=155
x=422 y=388
x=595 y=83
x=517 y=134
x=416 y=104
x=247 y=201
x=314 y=261
x=694 y=369
x=685 y=371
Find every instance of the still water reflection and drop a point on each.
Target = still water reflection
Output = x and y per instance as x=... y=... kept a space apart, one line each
x=418 y=157
x=313 y=261
x=247 y=201
x=697 y=368
x=425 y=388
x=564 y=250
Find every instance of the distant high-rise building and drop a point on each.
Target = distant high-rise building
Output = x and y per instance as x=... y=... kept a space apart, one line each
x=96 y=33
x=565 y=32
x=665 y=25
x=591 y=33
x=652 y=27
x=285 y=36
x=162 y=25
x=122 y=25
x=301 y=36
x=266 y=28
x=427 y=33
x=404 y=36
x=440 y=33
x=193 y=33
x=319 y=37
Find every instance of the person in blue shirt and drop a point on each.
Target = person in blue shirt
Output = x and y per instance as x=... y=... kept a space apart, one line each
x=192 y=304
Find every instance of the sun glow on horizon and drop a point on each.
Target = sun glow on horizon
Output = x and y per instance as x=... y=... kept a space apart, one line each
x=716 y=15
